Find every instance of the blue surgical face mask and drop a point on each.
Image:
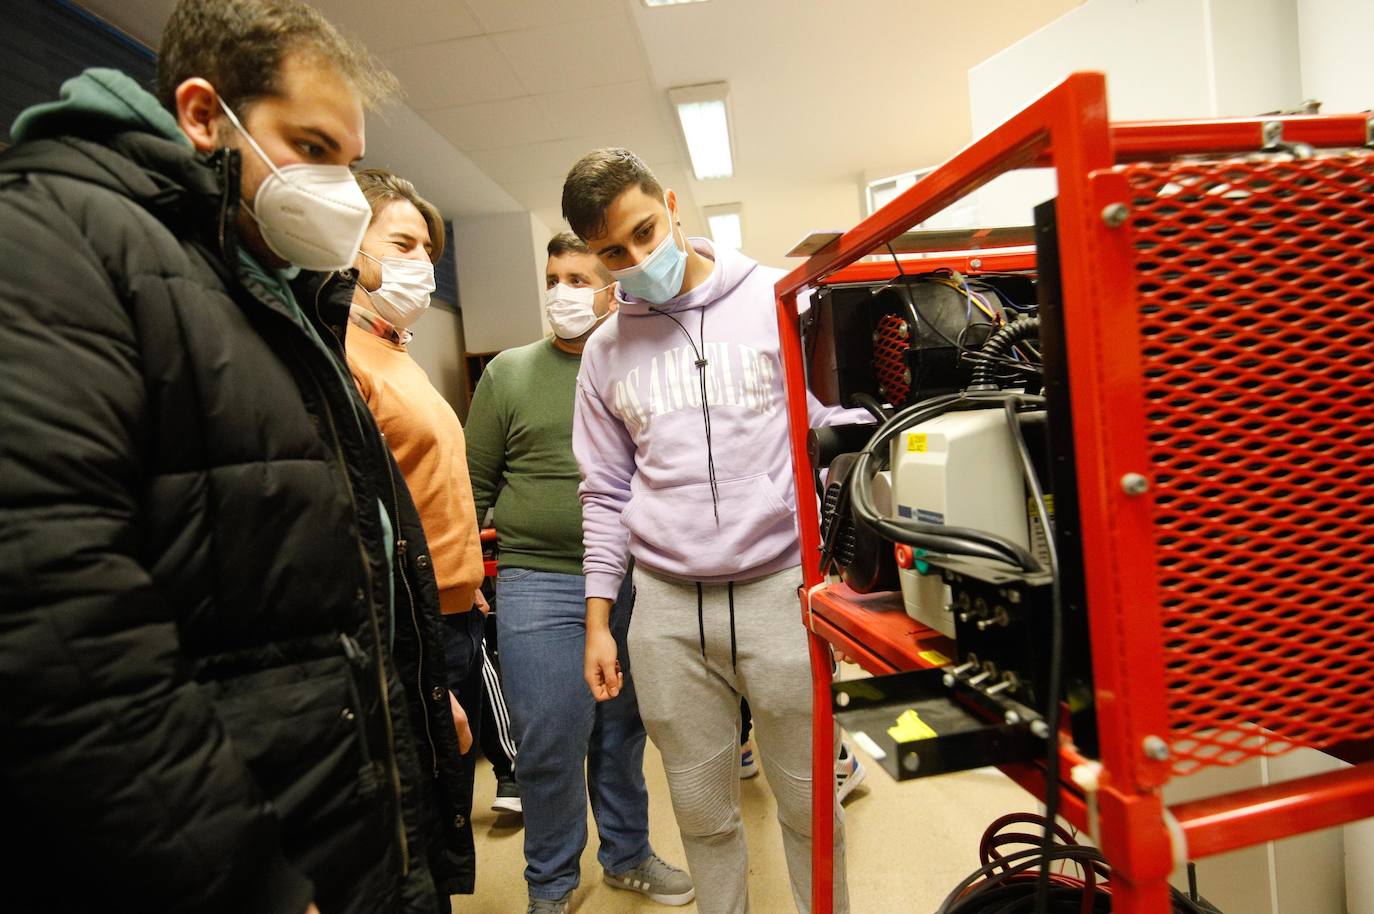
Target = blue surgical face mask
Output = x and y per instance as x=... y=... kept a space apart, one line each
x=658 y=277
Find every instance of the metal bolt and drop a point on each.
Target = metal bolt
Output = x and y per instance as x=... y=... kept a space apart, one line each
x=1040 y=728
x=1271 y=134
x=963 y=668
x=1134 y=484
x=979 y=679
x=1114 y=214
x=1012 y=718
x=842 y=699
x=948 y=680
x=1155 y=748
x=975 y=263
x=911 y=761
x=1000 y=687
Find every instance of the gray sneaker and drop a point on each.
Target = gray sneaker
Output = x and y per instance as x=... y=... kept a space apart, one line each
x=660 y=880
x=543 y=906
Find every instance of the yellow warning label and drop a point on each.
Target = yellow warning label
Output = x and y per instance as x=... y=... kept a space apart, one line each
x=916 y=442
x=934 y=658
x=910 y=727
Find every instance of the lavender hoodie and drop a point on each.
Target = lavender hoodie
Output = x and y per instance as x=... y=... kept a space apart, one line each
x=640 y=439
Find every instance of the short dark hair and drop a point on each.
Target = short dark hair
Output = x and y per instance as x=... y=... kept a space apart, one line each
x=568 y=243
x=383 y=188
x=238 y=45
x=596 y=180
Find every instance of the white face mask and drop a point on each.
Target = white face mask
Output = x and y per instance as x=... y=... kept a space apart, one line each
x=313 y=216
x=406 y=286
x=571 y=310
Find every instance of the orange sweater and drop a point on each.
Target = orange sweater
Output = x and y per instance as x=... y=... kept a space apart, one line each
x=426 y=439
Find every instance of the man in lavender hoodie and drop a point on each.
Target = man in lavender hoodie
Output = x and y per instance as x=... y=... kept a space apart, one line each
x=680 y=434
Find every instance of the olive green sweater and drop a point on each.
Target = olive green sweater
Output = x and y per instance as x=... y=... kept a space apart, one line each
x=520 y=460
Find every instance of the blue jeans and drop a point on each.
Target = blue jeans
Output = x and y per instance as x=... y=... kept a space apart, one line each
x=541 y=627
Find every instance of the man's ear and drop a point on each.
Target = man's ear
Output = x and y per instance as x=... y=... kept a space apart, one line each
x=673 y=214
x=198 y=113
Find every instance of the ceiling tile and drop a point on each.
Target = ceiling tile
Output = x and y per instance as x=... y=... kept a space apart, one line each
x=486 y=125
x=506 y=15
x=530 y=162
x=574 y=55
x=544 y=194
x=423 y=22
x=449 y=73
x=582 y=112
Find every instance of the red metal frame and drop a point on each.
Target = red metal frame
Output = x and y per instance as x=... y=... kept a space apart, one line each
x=488 y=538
x=1067 y=129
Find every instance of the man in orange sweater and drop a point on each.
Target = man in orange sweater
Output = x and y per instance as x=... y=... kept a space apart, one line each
x=395 y=266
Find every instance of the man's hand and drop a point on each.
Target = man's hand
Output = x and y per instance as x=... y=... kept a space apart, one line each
x=460 y=724
x=600 y=666
x=479 y=600
x=312 y=909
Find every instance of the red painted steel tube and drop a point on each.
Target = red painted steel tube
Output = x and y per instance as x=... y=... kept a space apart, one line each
x=1219 y=824
x=1136 y=140
x=988 y=262
x=808 y=528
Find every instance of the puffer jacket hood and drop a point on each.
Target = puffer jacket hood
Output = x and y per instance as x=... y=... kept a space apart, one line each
x=100 y=101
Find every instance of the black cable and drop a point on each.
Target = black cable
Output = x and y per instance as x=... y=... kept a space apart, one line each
x=870 y=403
x=1007 y=884
x=917 y=319
x=938 y=537
x=1002 y=340
x=1056 y=647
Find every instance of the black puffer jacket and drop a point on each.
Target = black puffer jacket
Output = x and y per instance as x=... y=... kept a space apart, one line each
x=200 y=708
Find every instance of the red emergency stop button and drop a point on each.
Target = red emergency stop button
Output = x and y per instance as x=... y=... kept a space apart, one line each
x=905 y=558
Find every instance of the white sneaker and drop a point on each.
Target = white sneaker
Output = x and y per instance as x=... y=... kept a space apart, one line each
x=748 y=764
x=849 y=773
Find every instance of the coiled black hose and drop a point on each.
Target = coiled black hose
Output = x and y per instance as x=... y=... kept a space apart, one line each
x=997 y=347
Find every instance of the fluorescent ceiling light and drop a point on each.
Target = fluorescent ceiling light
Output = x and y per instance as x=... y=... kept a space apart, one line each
x=653 y=3
x=724 y=222
x=704 y=115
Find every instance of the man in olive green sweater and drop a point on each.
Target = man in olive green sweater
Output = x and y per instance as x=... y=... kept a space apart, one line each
x=520 y=459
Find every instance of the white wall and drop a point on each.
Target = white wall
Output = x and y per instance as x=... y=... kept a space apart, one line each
x=1162 y=58
x=500 y=280
x=1337 y=65
x=1255 y=57
x=438 y=348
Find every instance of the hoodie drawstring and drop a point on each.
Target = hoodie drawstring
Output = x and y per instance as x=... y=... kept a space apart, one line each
x=700 y=353
x=730 y=595
x=701 y=624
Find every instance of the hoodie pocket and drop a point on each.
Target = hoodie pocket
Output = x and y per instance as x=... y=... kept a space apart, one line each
x=682 y=537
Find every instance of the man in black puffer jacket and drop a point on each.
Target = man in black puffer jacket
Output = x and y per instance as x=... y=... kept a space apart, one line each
x=221 y=682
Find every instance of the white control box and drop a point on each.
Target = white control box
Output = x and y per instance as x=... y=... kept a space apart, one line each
x=959 y=470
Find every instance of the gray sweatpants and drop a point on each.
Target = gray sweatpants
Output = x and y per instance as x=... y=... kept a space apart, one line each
x=689 y=700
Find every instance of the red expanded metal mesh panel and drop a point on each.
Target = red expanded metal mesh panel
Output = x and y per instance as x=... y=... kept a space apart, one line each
x=889 y=358
x=1256 y=295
